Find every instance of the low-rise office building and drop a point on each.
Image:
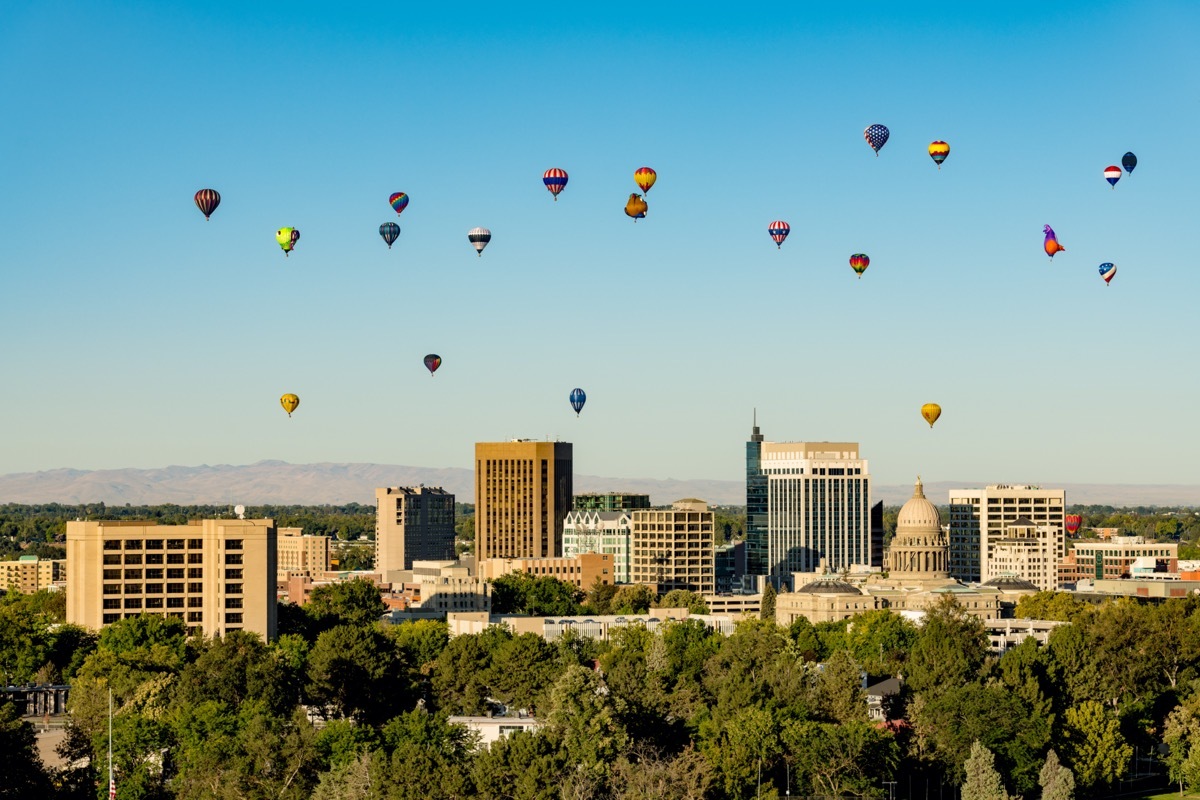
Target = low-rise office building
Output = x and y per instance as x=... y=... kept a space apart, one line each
x=608 y=532
x=299 y=553
x=584 y=570
x=29 y=574
x=1115 y=558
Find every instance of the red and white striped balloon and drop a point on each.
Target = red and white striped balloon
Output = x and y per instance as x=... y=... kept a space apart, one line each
x=1112 y=174
x=779 y=231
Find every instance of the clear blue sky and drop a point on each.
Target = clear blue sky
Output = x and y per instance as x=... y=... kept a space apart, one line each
x=136 y=334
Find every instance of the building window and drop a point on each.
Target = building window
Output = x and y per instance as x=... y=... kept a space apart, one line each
x=133 y=588
x=174 y=558
x=175 y=573
x=154 y=544
x=111 y=618
x=233 y=602
x=195 y=544
x=233 y=588
x=133 y=602
x=112 y=544
x=112 y=559
x=195 y=572
x=133 y=544
x=195 y=558
x=154 y=588
x=133 y=558
x=195 y=602
x=154 y=574
x=154 y=558
x=233 y=558
x=174 y=602
x=112 y=602
x=175 y=588
x=233 y=544
x=233 y=574
x=112 y=574
x=195 y=588
x=154 y=602
x=174 y=544
x=195 y=616
x=133 y=574
x=234 y=619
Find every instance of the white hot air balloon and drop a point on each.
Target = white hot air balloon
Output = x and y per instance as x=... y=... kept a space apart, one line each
x=479 y=238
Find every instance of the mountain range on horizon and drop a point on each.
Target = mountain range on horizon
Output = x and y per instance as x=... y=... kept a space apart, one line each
x=281 y=483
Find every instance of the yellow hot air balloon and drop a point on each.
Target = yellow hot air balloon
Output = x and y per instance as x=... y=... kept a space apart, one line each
x=931 y=412
x=636 y=207
x=287 y=238
x=289 y=402
x=645 y=178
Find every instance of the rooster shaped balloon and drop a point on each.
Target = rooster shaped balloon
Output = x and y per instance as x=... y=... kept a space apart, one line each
x=1051 y=244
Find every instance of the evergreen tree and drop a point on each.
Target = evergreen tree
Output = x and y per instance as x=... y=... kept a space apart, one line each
x=983 y=781
x=768 y=603
x=1058 y=782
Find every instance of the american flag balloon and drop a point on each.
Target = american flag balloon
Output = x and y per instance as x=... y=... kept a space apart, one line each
x=555 y=180
x=779 y=231
x=1108 y=271
x=876 y=136
x=1112 y=174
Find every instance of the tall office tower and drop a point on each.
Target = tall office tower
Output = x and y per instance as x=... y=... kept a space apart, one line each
x=979 y=518
x=818 y=507
x=674 y=549
x=412 y=525
x=522 y=495
x=218 y=575
x=611 y=501
x=756 y=504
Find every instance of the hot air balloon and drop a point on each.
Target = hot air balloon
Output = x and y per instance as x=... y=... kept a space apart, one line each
x=1108 y=271
x=432 y=362
x=1072 y=522
x=399 y=201
x=645 y=178
x=555 y=180
x=876 y=136
x=287 y=238
x=1051 y=244
x=389 y=231
x=859 y=263
x=938 y=151
x=578 y=398
x=1112 y=174
x=207 y=201
x=289 y=402
x=779 y=231
x=636 y=207
x=1129 y=161
x=479 y=238
x=931 y=412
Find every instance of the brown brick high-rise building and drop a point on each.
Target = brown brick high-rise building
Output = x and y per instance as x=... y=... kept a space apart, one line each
x=522 y=495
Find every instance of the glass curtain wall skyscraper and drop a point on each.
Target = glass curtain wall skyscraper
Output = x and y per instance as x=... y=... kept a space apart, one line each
x=756 y=504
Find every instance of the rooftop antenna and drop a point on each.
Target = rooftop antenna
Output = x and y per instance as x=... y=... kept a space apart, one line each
x=240 y=511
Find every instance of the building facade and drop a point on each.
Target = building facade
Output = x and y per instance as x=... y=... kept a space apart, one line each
x=298 y=553
x=756 y=504
x=818 y=507
x=729 y=567
x=673 y=549
x=29 y=574
x=218 y=575
x=412 y=525
x=1116 y=558
x=979 y=518
x=610 y=501
x=1030 y=551
x=607 y=532
x=522 y=495
x=583 y=570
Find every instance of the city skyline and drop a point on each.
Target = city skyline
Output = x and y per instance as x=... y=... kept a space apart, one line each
x=141 y=335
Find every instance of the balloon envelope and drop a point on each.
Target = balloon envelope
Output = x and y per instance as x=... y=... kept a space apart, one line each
x=289 y=402
x=645 y=178
x=859 y=263
x=876 y=136
x=287 y=238
x=938 y=151
x=779 y=231
x=1112 y=174
x=931 y=412
x=1108 y=271
x=399 y=201
x=1051 y=245
x=1072 y=522
x=555 y=180
x=636 y=207
x=1129 y=161
x=432 y=362
x=479 y=238
x=207 y=201
x=578 y=398
x=389 y=231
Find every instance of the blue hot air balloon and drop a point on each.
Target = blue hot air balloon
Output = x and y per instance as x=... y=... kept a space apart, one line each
x=876 y=136
x=578 y=398
x=1129 y=161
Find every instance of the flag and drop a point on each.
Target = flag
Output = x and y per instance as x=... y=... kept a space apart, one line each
x=112 y=788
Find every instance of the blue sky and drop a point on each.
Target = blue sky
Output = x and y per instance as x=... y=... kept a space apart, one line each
x=136 y=334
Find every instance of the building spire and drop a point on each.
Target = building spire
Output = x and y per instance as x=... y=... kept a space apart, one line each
x=919 y=489
x=755 y=434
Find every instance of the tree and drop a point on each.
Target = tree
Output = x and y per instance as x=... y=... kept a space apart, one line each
x=646 y=774
x=581 y=715
x=233 y=669
x=1057 y=782
x=838 y=759
x=1096 y=750
x=837 y=694
x=633 y=598
x=360 y=673
x=767 y=610
x=19 y=761
x=599 y=598
x=983 y=781
x=682 y=598
x=1182 y=735
x=524 y=766
x=949 y=650
x=537 y=596
x=353 y=602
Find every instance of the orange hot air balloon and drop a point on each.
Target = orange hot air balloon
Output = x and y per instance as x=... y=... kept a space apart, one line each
x=636 y=207
x=931 y=412
x=645 y=178
x=1051 y=244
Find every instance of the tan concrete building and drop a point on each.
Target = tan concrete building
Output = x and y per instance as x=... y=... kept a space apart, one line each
x=300 y=554
x=412 y=525
x=1029 y=551
x=582 y=570
x=522 y=494
x=444 y=587
x=216 y=575
x=29 y=574
x=673 y=549
x=979 y=518
x=1118 y=557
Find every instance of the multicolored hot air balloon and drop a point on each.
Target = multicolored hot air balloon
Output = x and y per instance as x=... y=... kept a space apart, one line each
x=555 y=180
x=1108 y=271
x=578 y=398
x=289 y=402
x=432 y=362
x=859 y=263
x=399 y=201
x=1072 y=522
x=1051 y=244
x=876 y=136
x=931 y=412
x=1129 y=161
x=1112 y=174
x=389 y=231
x=207 y=201
x=645 y=178
x=479 y=238
x=636 y=207
x=287 y=238
x=938 y=151
x=779 y=231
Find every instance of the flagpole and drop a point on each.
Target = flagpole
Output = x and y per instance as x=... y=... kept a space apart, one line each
x=112 y=785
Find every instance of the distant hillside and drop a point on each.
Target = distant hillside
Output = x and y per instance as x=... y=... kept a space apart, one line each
x=280 y=483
